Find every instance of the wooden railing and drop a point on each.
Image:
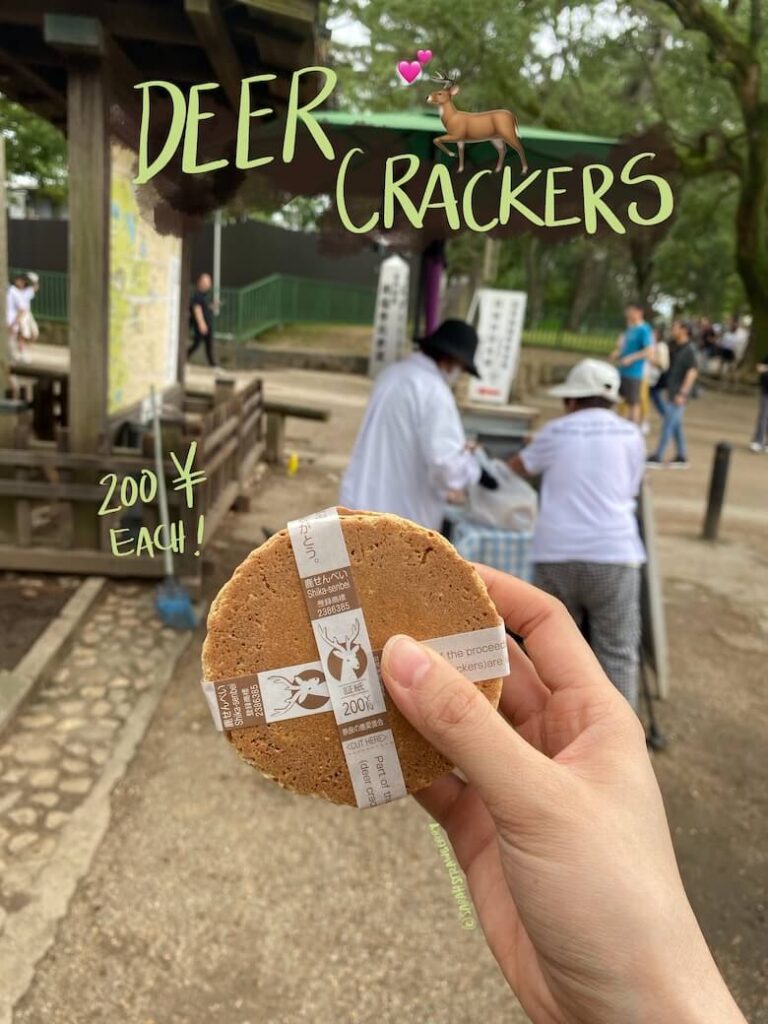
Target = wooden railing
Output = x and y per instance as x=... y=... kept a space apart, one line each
x=50 y=498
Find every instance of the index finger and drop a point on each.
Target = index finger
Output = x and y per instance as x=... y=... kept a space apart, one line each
x=553 y=641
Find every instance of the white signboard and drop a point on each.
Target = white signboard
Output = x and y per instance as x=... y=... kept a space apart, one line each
x=500 y=316
x=390 y=321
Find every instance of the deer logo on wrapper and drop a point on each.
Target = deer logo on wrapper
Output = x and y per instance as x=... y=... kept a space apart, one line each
x=307 y=689
x=347 y=675
x=346 y=661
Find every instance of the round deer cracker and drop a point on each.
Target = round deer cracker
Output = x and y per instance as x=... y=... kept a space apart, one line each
x=409 y=580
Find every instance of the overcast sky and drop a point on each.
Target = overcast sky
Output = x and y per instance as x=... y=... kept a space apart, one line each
x=603 y=20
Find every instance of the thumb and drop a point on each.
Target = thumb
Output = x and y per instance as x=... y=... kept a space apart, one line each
x=449 y=711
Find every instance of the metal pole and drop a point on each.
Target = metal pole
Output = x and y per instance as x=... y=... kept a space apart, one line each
x=217 y=261
x=717 y=482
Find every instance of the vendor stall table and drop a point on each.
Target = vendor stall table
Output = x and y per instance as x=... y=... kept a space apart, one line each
x=500 y=429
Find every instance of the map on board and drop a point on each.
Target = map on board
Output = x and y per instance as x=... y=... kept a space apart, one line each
x=144 y=295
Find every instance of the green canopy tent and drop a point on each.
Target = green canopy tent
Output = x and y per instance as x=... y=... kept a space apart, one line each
x=417 y=129
x=381 y=136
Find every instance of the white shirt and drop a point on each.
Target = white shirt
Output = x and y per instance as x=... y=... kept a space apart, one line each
x=18 y=300
x=592 y=463
x=411 y=446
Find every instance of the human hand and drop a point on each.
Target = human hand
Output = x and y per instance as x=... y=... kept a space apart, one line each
x=679 y=399
x=560 y=827
x=456 y=497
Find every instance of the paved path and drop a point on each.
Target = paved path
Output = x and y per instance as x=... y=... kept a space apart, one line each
x=59 y=761
x=213 y=895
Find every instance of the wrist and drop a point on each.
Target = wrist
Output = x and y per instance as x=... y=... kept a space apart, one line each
x=684 y=986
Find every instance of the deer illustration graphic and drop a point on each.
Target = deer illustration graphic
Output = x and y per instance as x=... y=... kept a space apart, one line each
x=347 y=660
x=498 y=127
x=304 y=690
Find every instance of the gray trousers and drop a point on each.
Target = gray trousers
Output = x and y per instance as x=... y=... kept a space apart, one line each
x=607 y=595
x=761 y=430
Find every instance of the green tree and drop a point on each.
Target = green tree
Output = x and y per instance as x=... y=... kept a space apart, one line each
x=693 y=67
x=732 y=38
x=554 y=69
x=34 y=147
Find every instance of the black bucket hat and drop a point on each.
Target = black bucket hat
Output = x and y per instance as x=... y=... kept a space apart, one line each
x=457 y=339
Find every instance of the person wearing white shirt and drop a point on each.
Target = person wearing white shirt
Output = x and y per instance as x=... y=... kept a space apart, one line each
x=586 y=548
x=18 y=314
x=411 y=450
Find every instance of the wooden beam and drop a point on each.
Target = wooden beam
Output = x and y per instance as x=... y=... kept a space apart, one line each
x=89 y=185
x=213 y=34
x=74 y=34
x=296 y=10
x=132 y=20
x=34 y=79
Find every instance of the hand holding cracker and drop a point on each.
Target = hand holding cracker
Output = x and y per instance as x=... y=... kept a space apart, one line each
x=560 y=827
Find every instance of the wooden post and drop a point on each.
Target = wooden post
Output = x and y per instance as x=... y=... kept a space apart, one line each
x=89 y=184
x=89 y=179
x=184 y=297
x=4 y=353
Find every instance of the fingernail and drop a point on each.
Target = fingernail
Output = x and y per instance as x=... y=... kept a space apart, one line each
x=405 y=660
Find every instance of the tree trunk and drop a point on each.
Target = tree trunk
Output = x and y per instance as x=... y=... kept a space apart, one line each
x=751 y=228
x=535 y=275
x=641 y=251
x=583 y=291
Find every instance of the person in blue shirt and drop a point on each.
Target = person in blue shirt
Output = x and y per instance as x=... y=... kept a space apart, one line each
x=633 y=349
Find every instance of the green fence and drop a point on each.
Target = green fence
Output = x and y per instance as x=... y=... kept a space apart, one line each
x=284 y=299
x=51 y=300
x=596 y=336
x=247 y=312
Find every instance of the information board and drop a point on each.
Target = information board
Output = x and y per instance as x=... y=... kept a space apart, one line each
x=144 y=295
x=390 y=321
x=499 y=319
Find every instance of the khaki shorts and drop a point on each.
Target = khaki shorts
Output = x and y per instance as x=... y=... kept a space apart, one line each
x=630 y=389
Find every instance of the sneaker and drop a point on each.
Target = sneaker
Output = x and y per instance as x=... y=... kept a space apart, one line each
x=755 y=447
x=679 y=464
x=654 y=462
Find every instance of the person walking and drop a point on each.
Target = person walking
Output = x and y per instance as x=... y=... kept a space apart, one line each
x=411 y=451
x=586 y=546
x=634 y=347
x=658 y=366
x=201 y=318
x=760 y=440
x=681 y=376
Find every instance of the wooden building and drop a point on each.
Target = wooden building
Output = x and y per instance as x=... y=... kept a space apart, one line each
x=79 y=71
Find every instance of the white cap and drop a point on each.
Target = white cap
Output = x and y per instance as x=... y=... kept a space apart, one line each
x=591 y=378
x=32 y=276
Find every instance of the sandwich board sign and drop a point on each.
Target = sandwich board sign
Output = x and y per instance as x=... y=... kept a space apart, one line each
x=500 y=315
x=390 y=319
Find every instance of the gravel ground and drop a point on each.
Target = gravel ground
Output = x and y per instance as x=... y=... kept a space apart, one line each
x=27 y=605
x=217 y=896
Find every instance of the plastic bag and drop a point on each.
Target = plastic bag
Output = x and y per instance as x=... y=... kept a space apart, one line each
x=512 y=506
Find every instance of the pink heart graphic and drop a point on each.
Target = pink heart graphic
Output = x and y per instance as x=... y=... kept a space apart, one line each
x=425 y=56
x=409 y=70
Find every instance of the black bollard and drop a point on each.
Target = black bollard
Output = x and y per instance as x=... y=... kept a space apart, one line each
x=717 y=482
